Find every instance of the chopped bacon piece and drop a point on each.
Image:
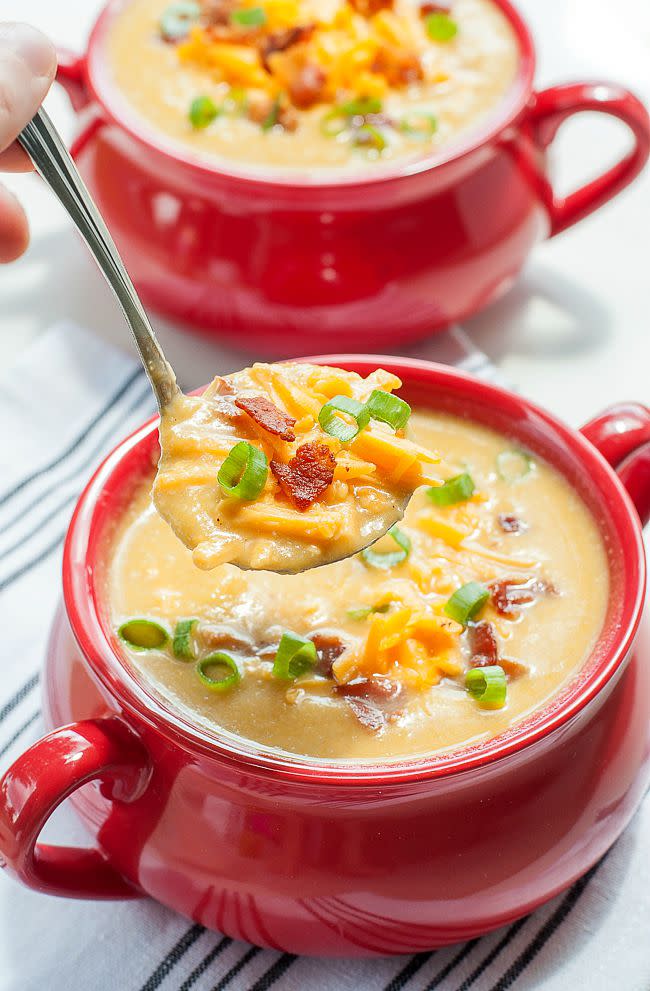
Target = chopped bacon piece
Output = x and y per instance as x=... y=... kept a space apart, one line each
x=267 y=415
x=280 y=41
x=307 y=86
x=509 y=594
x=482 y=640
x=427 y=8
x=328 y=646
x=513 y=669
x=217 y=12
x=374 y=701
x=484 y=650
x=399 y=67
x=510 y=523
x=307 y=475
x=370 y=7
x=222 y=638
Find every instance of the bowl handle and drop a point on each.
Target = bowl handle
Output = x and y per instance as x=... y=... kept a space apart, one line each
x=46 y=774
x=71 y=75
x=622 y=435
x=551 y=107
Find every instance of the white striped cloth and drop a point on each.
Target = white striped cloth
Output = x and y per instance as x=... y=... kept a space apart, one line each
x=66 y=401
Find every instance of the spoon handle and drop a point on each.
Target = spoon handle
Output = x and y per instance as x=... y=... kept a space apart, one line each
x=53 y=162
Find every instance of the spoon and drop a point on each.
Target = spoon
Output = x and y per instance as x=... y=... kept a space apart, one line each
x=53 y=162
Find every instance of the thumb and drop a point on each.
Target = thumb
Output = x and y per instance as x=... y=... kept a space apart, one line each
x=27 y=68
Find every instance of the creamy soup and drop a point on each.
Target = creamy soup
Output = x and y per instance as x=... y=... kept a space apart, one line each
x=491 y=600
x=309 y=84
x=287 y=466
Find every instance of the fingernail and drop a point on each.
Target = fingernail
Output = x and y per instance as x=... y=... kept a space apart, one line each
x=30 y=46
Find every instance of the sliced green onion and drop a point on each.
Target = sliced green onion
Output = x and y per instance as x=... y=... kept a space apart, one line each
x=177 y=19
x=273 y=116
x=335 y=426
x=389 y=409
x=202 y=112
x=333 y=124
x=488 y=686
x=222 y=660
x=364 y=611
x=419 y=124
x=466 y=602
x=513 y=465
x=294 y=656
x=368 y=136
x=243 y=473
x=143 y=634
x=238 y=98
x=250 y=17
x=456 y=489
x=440 y=26
x=360 y=108
x=182 y=643
x=388 y=559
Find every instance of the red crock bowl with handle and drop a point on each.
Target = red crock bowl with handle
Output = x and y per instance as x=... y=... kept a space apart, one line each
x=334 y=857
x=281 y=265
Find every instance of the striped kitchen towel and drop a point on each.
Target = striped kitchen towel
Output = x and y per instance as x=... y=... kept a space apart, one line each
x=63 y=405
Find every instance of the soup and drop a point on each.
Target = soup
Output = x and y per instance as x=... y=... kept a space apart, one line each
x=492 y=600
x=287 y=466
x=311 y=84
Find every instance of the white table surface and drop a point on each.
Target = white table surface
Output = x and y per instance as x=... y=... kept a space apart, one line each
x=573 y=334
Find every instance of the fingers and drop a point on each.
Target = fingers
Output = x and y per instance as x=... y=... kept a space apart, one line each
x=14 y=232
x=27 y=68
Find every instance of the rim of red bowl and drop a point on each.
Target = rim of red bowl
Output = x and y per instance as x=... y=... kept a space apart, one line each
x=117 y=109
x=83 y=598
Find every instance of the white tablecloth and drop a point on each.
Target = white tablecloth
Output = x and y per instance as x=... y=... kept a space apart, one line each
x=63 y=405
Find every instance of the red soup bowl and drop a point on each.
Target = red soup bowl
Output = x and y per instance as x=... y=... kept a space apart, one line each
x=272 y=261
x=334 y=857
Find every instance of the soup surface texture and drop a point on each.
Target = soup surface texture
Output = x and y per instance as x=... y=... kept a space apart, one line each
x=287 y=466
x=313 y=84
x=501 y=584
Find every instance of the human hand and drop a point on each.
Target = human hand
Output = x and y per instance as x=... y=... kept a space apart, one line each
x=27 y=68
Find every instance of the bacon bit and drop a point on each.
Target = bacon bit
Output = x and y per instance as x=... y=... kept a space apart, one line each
x=374 y=701
x=280 y=41
x=220 y=637
x=259 y=109
x=509 y=594
x=513 y=669
x=370 y=7
x=328 y=646
x=267 y=416
x=217 y=11
x=307 y=475
x=307 y=86
x=510 y=523
x=427 y=8
x=399 y=67
x=483 y=644
x=484 y=648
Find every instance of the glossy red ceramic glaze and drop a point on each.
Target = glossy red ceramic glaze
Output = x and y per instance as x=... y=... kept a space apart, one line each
x=331 y=857
x=282 y=265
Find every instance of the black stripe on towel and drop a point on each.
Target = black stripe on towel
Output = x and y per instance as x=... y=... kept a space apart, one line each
x=205 y=963
x=542 y=937
x=21 y=694
x=115 y=397
x=274 y=972
x=175 y=954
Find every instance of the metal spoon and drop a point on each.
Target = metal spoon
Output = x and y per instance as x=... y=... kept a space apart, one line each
x=53 y=162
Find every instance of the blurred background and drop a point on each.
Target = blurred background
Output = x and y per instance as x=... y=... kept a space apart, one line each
x=571 y=335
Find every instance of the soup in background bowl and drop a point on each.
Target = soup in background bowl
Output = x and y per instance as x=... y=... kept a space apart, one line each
x=313 y=84
x=361 y=856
